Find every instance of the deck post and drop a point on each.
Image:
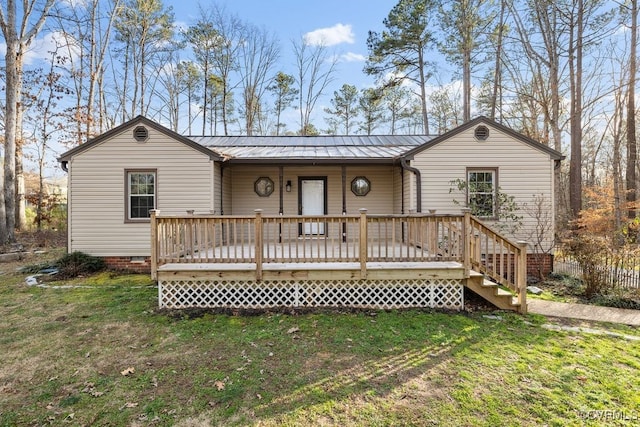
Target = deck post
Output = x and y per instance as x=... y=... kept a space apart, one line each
x=154 y=244
x=259 y=244
x=521 y=279
x=466 y=241
x=363 y=243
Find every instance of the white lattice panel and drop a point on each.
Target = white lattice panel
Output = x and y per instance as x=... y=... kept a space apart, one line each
x=377 y=294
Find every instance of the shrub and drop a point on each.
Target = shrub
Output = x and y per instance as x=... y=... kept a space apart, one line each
x=79 y=263
x=590 y=252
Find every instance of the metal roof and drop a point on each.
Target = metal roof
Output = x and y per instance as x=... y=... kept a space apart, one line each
x=312 y=148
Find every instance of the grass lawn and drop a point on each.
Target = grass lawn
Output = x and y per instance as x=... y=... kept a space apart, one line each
x=103 y=355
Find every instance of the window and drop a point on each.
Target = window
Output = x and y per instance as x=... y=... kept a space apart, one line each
x=481 y=192
x=263 y=186
x=360 y=186
x=141 y=194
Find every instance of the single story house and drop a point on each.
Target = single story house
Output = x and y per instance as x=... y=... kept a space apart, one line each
x=188 y=207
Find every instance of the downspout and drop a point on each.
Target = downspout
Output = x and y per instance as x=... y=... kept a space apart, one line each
x=416 y=172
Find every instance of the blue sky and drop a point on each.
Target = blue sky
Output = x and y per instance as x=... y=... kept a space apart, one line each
x=344 y=25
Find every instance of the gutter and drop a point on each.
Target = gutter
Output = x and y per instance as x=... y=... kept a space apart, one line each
x=63 y=165
x=416 y=172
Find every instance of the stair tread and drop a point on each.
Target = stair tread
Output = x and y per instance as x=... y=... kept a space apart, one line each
x=502 y=292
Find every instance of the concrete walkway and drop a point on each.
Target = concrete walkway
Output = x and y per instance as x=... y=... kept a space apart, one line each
x=584 y=312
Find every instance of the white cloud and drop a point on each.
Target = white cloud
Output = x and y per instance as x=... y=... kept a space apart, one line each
x=352 y=57
x=330 y=36
x=41 y=48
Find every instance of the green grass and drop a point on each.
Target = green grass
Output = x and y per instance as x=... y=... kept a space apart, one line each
x=64 y=352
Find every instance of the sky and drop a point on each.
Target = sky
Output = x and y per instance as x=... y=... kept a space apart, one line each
x=342 y=24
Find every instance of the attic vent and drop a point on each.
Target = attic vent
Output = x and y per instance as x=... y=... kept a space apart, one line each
x=141 y=133
x=481 y=133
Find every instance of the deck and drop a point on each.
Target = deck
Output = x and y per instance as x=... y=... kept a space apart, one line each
x=365 y=261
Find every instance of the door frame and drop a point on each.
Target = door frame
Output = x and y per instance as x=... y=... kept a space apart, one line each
x=324 y=197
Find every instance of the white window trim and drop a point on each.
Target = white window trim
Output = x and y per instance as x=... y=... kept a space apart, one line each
x=494 y=196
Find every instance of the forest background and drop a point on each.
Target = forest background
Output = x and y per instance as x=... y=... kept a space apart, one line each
x=561 y=72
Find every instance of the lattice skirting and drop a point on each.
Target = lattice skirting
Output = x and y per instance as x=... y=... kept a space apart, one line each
x=376 y=294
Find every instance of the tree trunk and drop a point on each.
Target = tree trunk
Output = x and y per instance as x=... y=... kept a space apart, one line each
x=466 y=85
x=13 y=82
x=423 y=93
x=575 y=66
x=497 y=71
x=632 y=146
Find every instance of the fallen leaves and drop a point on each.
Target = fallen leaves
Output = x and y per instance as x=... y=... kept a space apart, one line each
x=129 y=405
x=128 y=371
x=220 y=385
x=90 y=388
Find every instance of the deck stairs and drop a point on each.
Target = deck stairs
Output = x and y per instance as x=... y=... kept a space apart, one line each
x=492 y=292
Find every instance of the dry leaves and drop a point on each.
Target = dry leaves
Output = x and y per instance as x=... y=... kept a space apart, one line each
x=128 y=371
x=219 y=385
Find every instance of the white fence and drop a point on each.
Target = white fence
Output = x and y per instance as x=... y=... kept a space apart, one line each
x=624 y=273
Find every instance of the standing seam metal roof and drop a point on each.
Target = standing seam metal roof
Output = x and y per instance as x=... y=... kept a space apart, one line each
x=312 y=147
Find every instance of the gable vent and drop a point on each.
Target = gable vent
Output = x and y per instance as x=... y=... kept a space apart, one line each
x=481 y=133
x=141 y=133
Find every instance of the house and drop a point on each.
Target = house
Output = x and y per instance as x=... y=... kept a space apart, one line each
x=273 y=212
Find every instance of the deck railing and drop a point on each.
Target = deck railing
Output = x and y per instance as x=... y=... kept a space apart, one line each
x=360 y=238
x=498 y=258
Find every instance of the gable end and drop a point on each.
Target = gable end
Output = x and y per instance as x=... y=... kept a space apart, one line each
x=137 y=133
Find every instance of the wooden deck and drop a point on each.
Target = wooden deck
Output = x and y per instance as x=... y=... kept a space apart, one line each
x=388 y=261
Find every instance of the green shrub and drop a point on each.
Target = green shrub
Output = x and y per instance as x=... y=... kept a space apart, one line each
x=79 y=263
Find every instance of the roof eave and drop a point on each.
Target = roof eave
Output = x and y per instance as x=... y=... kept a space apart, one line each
x=308 y=161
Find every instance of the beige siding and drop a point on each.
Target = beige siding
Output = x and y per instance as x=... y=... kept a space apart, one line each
x=185 y=180
x=409 y=191
x=217 y=188
x=227 y=179
x=380 y=200
x=523 y=172
x=397 y=190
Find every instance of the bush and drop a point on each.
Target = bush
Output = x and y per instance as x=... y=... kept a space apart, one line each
x=590 y=252
x=78 y=263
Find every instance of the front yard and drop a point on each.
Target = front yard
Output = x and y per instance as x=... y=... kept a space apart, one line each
x=101 y=354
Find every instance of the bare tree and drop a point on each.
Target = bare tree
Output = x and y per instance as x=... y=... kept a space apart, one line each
x=258 y=53
x=632 y=144
x=19 y=28
x=315 y=71
x=145 y=29
x=445 y=109
x=85 y=28
x=225 y=58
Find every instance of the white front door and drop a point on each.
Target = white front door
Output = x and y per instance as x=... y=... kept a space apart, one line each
x=312 y=200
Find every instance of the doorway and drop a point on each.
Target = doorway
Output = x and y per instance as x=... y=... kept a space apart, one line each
x=313 y=201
